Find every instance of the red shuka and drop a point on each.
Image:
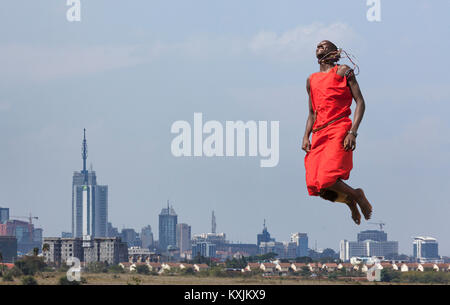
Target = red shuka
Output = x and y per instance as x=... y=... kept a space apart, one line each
x=327 y=160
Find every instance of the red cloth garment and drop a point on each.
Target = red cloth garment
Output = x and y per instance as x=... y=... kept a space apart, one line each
x=327 y=160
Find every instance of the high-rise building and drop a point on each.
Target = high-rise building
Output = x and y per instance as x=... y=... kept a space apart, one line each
x=264 y=236
x=369 y=243
x=374 y=235
x=4 y=215
x=272 y=247
x=425 y=248
x=290 y=250
x=27 y=236
x=213 y=223
x=89 y=202
x=301 y=239
x=112 y=231
x=167 y=228
x=8 y=248
x=130 y=237
x=147 y=237
x=204 y=249
x=215 y=238
x=184 y=237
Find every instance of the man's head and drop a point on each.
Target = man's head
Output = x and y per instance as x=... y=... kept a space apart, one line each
x=327 y=52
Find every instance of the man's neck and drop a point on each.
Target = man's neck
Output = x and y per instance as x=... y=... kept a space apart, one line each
x=326 y=67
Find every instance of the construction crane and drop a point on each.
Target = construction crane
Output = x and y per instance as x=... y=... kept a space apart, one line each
x=381 y=224
x=30 y=223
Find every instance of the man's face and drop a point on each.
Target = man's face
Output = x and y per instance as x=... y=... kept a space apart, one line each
x=322 y=49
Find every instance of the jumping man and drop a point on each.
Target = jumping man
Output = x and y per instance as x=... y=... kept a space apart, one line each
x=329 y=155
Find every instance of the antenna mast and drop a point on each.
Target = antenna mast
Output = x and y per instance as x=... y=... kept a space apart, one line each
x=84 y=154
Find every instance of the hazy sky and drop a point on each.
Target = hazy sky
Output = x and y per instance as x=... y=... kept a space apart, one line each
x=129 y=69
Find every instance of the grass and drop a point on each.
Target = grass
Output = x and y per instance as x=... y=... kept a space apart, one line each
x=51 y=278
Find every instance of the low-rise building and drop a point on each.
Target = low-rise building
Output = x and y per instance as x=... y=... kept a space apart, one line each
x=297 y=267
x=126 y=266
x=186 y=266
x=444 y=267
x=427 y=266
x=283 y=267
x=170 y=266
x=252 y=267
x=330 y=267
x=268 y=267
x=314 y=267
x=99 y=249
x=155 y=267
x=201 y=267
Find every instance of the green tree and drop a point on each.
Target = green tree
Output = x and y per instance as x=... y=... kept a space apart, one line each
x=29 y=280
x=45 y=248
x=115 y=269
x=29 y=265
x=304 y=260
x=64 y=281
x=389 y=275
x=97 y=267
x=332 y=276
x=142 y=269
x=305 y=271
x=7 y=277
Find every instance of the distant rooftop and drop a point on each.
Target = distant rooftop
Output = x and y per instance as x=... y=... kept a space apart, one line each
x=168 y=211
x=424 y=238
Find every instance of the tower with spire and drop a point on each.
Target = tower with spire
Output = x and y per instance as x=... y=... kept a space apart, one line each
x=89 y=200
x=213 y=223
x=264 y=236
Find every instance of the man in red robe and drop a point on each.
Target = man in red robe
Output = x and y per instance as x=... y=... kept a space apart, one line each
x=329 y=155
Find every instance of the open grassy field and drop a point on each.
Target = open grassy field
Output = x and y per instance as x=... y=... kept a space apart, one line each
x=52 y=278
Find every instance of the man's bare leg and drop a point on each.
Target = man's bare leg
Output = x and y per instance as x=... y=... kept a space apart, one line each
x=356 y=216
x=354 y=195
x=334 y=196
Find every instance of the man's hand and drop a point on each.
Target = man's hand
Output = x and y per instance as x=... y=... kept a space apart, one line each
x=350 y=142
x=306 y=145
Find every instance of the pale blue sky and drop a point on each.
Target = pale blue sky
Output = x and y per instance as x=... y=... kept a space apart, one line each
x=129 y=69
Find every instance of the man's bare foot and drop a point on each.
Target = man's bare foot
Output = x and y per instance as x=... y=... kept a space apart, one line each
x=356 y=216
x=364 y=204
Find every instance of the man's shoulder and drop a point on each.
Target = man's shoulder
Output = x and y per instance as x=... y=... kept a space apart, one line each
x=342 y=69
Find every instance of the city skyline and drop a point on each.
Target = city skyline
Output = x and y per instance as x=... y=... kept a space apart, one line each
x=365 y=239
x=127 y=82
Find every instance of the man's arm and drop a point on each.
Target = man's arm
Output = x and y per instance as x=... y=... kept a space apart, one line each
x=350 y=139
x=306 y=145
x=357 y=95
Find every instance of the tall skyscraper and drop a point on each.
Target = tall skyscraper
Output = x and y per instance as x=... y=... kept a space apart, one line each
x=89 y=201
x=301 y=239
x=147 y=237
x=425 y=248
x=264 y=236
x=4 y=215
x=183 y=237
x=213 y=223
x=167 y=228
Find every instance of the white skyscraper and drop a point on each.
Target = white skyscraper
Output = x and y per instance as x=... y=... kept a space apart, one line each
x=89 y=202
